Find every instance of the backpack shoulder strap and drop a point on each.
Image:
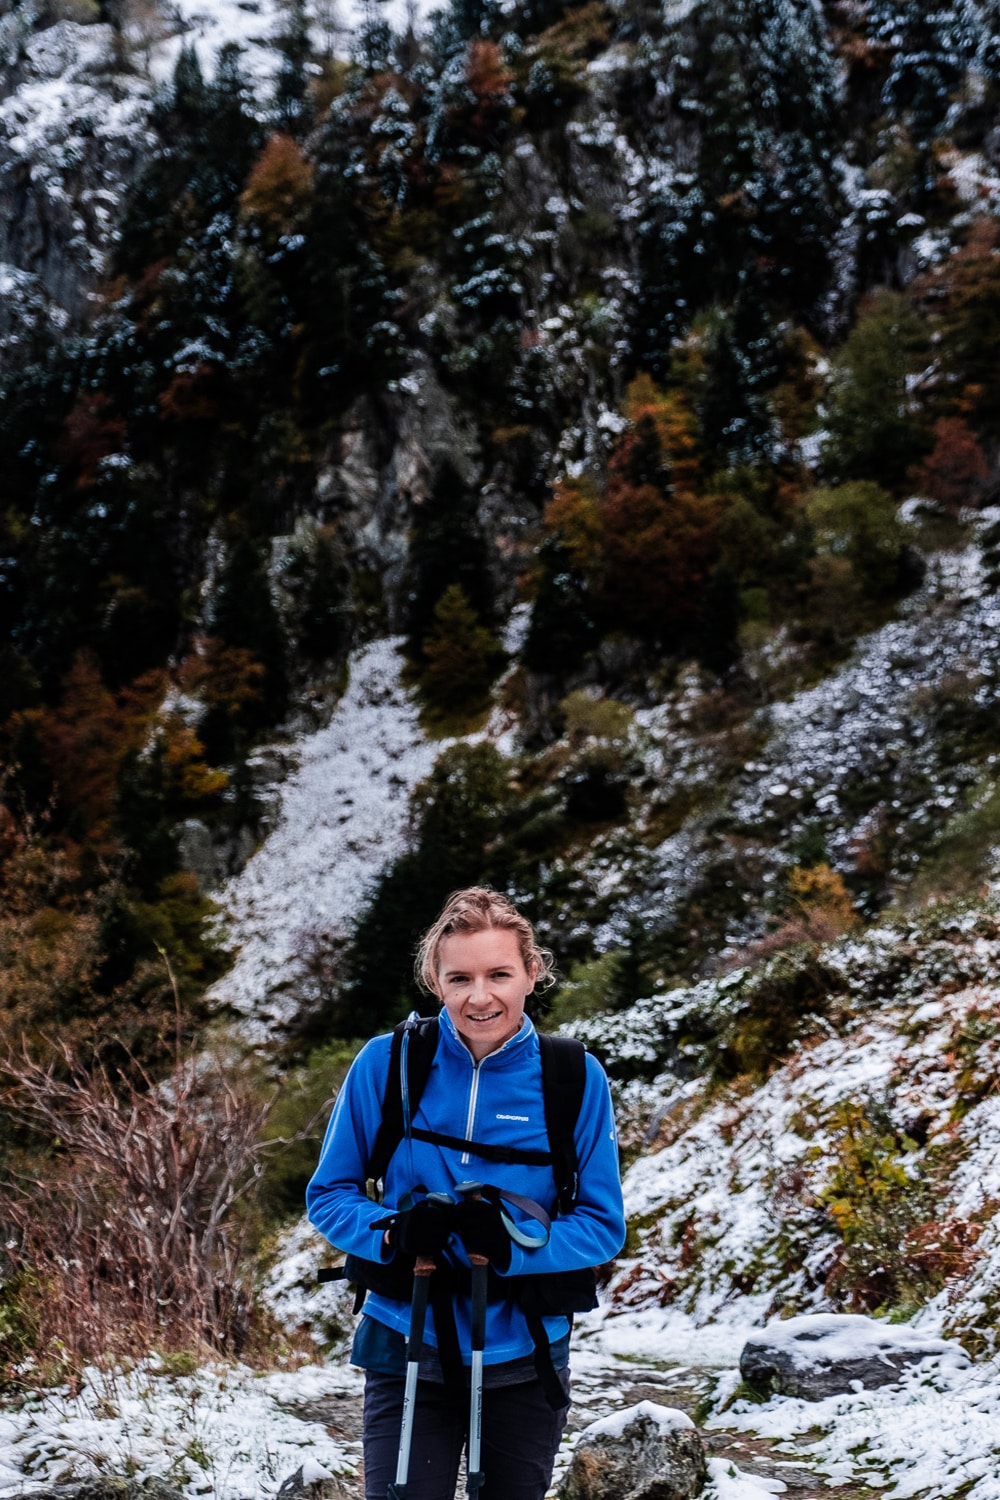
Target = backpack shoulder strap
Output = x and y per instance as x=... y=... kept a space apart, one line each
x=421 y=1034
x=564 y=1076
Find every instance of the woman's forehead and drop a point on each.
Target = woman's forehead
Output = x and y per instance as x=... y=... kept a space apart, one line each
x=493 y=945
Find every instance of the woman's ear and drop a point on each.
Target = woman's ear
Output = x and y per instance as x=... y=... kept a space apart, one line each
x=533 y=976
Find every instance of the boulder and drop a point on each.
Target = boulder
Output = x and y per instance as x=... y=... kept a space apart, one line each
x=647 y=1452
x=828 y=1354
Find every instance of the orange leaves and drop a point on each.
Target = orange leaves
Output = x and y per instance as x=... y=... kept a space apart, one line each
x=86 y=738
x=92 y=432
x=658 y=552
x=192 y=395
x=279 y=187
x=954 y=470
x=574 y=516
x=489 y=80
x=647 y=542
x=675 y=424
x=227 y=678
x=819 y=893
x=660 y=534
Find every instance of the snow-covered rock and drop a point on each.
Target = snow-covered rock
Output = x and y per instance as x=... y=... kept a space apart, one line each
x=824 y=1354
x=311 y=1481
x=647 y=1452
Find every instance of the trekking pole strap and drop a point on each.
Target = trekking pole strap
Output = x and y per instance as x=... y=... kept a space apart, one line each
x=528 y=1206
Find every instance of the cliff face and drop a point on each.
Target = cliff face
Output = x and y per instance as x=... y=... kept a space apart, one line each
x=73 y=133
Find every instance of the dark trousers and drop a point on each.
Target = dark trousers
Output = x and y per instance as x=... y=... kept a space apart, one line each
x=520 y=1438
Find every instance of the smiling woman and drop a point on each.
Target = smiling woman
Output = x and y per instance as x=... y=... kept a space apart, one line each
x=483 y=984
x=504 y=1262
x=482 y=976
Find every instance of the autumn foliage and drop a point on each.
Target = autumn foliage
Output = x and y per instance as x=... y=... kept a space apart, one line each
x=645 y=542
x=280 y=185
x=954 y=471
x=489 y=82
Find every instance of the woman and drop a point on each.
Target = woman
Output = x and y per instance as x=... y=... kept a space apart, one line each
x=484 y=1088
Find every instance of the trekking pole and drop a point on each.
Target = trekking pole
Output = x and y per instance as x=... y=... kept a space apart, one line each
x=475 y=1475
x=480 y=1265
x=422 y=1272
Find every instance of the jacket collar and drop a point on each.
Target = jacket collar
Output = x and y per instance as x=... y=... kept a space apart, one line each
x=513 y=1045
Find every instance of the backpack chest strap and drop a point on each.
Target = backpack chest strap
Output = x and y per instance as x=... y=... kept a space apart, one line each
x=512 y=1155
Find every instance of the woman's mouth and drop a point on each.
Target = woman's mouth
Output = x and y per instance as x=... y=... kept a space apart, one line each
x=494 y=1015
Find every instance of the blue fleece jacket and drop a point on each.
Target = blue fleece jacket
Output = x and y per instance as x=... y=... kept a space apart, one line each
x=497 y=1100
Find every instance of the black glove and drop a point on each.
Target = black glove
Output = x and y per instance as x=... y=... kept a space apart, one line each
x=423 y=1229
x=482 y=1230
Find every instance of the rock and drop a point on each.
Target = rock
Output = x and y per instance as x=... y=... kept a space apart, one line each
x=828 y=1354
x=647 y=1452
x=68 y=154
x=312 y=1482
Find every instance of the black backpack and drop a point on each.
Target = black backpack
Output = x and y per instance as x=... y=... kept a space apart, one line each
x=554 y=1293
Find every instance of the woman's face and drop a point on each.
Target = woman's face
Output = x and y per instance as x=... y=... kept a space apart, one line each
x=482 y=980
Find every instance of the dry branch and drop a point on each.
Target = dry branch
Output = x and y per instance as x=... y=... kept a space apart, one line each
x=135 y=1232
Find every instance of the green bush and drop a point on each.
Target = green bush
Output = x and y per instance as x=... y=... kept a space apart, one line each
x=879 y=1197
x=859 y=523
x=767 y=1008
x=965 y=855
x=593 y=987
x=460 y=812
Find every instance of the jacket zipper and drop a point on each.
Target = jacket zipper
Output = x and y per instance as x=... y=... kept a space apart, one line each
x=471 y=1117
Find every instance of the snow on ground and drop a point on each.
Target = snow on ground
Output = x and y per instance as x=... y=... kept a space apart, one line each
x=221 y=1431
x=935 y=1433
x=62 y=113
x=209 y=25
x=728 y=1219
x=343 y=817
x=873 y=718
x=727 y=1482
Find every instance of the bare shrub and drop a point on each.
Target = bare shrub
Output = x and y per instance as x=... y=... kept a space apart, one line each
x=131 y=1231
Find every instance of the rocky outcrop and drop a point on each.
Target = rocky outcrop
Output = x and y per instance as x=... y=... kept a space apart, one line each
x=73 y=132
x=647 y=1452
x=828 y=1354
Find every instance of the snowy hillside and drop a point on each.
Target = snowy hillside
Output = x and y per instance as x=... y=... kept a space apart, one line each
x=343 y=815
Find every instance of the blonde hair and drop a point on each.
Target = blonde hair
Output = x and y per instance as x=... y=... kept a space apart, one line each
x=479 y=909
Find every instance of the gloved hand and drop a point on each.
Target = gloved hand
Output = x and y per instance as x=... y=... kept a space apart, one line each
x=482 y=1230
x=423 y=1229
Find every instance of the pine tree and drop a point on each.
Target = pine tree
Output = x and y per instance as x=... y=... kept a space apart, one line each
x=447 y=546
x=461 y=657
x=871 y=430
x=291 y=99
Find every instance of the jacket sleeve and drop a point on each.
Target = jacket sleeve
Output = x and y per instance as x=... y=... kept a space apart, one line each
x=335 y=1198
x=595 y=1230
